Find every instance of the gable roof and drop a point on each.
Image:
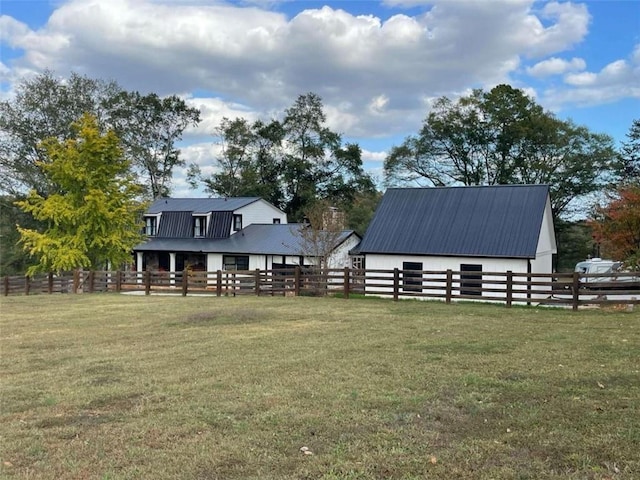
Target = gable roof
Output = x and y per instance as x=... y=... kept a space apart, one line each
x=257 y=239
x=476 y=221
x=199 y=205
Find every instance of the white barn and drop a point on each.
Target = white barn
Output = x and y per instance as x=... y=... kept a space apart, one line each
x=465 y=229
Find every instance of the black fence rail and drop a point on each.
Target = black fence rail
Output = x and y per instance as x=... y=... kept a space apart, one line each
x=567 y=289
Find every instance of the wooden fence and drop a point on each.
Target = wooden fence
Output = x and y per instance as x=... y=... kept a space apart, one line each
x=510 y=288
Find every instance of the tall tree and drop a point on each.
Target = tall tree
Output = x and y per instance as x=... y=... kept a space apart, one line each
x=499 y=137
x=44 y=106
x=616 y=225
x=248 y=163
x=317 y=165
x=93 y=218
x=291 y=162
x=149 y=128
x=630 y=153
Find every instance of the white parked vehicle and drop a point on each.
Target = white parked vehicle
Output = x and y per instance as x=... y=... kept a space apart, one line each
x=606 y=272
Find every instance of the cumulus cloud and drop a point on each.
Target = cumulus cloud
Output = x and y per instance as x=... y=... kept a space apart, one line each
x=372 y=74
x=377 y=75
x=556 y=66
x=619 y=79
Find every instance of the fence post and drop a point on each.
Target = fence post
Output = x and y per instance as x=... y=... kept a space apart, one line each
x=449 y=287
x=76 y=280
x=396 y=283
x=257 y=280
x=6 y=285
x=147 y=282
x=346 y=282
x=27 y=284
x=118 y=281
x=50 y=283
x=218 y=283
x=296 y=283
x=575 y=288
x=185 y=282
x=509 y=288
x=92 y=275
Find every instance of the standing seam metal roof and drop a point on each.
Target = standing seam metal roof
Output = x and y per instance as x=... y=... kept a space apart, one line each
x=482 y=221
x=257 y=239
x=199 y=205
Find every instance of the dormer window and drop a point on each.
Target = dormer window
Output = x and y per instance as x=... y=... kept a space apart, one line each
x=150 y=226
x=199 y=226
x=237 y=223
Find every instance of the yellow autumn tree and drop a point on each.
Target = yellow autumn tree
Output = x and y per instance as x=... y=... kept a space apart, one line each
x=93 y=219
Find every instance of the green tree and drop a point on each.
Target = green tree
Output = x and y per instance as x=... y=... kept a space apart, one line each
x=502 y=137
x=44 y=106
x=575 y=243
x=93 y=218
x=291 y=162
x=630 y=154
x=360 y=210
x=149 y=128
x=13 y=259
x=249 y=162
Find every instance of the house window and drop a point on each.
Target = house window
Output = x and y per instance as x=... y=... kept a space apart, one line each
x=235 y=262
x=237 y=223
x=470 y=279
x=276 y=221
x=412 y=280
x=150 y=226
x=199 y=226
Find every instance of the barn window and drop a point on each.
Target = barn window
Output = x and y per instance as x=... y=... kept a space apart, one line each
x=470 y=279
x=412 y=280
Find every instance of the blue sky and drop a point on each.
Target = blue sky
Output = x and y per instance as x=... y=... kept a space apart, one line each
x=377 y=65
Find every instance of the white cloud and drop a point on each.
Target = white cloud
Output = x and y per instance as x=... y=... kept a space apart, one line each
x=569 y=26
x=619 y=79
x=373 y=157
x=212 y=111
x=377 y=76
x=556 y=66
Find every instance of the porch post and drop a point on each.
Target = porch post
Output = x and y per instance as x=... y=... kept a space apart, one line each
x=172 y=268
x=139 y=264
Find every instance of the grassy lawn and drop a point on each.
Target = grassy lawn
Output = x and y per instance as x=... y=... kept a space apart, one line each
x=116 y=386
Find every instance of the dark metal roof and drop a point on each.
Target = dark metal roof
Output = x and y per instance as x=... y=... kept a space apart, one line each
x=176 y=225
x=267 y=239
x=220 y=225
x=200 y=205
x=482 y=221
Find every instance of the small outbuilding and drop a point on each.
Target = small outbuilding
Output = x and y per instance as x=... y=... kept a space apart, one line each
x=469 y=229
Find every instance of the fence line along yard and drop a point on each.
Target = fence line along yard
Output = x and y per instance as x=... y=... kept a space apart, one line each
x=509 y=288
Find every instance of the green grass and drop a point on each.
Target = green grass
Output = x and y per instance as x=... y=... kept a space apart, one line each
x=122 y=387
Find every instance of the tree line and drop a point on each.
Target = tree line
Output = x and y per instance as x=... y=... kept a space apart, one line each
x=62 y=140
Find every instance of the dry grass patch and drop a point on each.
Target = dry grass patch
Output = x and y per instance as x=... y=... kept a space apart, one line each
x=116 y=387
